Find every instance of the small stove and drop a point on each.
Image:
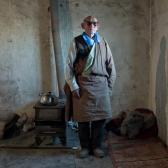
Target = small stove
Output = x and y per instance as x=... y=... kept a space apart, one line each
x=50 y=120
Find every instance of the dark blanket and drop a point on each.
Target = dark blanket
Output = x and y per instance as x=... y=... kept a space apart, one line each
x=140 y=122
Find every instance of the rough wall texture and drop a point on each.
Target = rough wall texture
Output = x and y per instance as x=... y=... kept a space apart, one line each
x=24 y=54
x=125 y=25
x=26 y=63
x=159 y=75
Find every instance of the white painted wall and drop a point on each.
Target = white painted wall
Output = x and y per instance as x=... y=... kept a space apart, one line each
x=25 y=67
x=125 y=25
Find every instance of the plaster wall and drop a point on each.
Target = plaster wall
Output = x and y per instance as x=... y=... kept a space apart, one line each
x=125 y=25
x=159 y=63
x=25 y=61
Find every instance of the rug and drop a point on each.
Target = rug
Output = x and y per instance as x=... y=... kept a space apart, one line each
x=137 y=153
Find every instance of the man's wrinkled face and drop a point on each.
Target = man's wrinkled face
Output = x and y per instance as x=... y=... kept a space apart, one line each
x=90 y=26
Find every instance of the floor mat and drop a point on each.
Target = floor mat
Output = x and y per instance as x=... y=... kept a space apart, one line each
x=32 y=140
x=146 y=153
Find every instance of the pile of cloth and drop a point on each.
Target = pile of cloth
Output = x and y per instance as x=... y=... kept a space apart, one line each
x=140 y=122
x=18 y=124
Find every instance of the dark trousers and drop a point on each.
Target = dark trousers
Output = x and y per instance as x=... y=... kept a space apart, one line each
x=91 y=134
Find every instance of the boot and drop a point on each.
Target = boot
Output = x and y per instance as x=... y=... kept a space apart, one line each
x=84 y=153
x=98 y=153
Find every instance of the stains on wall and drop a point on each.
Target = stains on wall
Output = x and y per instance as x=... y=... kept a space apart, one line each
x=26 y=50
x=24 y=55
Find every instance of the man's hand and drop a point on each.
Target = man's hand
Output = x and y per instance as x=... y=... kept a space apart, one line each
x=75 y=93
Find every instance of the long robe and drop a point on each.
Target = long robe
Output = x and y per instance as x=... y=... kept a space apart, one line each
x=95 y=88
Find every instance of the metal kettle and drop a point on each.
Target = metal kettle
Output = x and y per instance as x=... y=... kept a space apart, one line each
x=48 y=99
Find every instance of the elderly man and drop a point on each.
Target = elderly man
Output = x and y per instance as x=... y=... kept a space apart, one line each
x=90 y=75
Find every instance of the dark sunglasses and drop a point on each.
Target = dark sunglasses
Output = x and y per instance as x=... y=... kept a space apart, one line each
x=90 y=23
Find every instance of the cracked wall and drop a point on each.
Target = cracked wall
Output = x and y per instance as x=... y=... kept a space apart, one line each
x=27 y=65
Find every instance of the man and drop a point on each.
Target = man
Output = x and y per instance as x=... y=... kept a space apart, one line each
x=90 y=75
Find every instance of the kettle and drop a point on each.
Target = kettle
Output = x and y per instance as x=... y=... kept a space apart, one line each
x=48 y=99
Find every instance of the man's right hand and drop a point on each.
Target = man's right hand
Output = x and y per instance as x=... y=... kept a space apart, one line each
x=76 y=94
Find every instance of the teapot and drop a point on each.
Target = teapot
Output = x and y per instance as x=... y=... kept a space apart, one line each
x=48 y=99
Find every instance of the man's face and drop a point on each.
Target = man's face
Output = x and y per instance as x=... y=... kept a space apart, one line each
x=90 y=27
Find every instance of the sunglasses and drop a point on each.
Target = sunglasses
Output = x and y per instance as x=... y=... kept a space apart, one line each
x=90 y=23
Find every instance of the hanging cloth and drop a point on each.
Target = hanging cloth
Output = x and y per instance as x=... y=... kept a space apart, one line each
x=90 y=60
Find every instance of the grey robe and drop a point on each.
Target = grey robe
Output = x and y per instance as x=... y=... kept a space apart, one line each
x=96 y=88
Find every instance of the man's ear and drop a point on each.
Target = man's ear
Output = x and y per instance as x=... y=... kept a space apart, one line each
x=82 y=25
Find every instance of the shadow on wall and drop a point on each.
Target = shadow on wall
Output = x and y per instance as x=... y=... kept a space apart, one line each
x=160 y=97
